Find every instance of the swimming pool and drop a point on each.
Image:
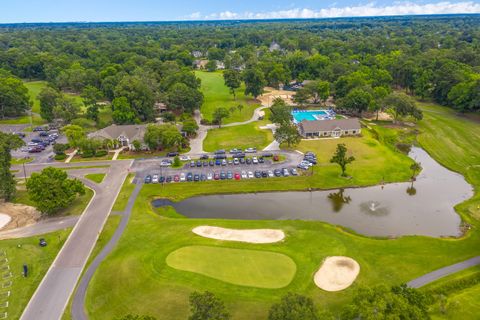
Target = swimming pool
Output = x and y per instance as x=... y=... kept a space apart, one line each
x=311 y=115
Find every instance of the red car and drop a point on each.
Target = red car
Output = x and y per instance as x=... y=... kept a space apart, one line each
x=176 y=178
x=216 y=176
x=237 y=176
x=276 y=157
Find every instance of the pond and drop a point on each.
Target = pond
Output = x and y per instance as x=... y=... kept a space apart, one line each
x=422 y=208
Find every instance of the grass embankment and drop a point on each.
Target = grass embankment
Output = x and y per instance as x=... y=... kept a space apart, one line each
x=216 y=95
x=96 y=177
x=243 y=136
x=78 y=158
x=38 y=259
x=125 y=192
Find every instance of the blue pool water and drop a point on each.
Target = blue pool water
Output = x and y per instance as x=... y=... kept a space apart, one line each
x=309 y=115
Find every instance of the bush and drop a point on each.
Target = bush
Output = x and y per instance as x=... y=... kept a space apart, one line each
x=206 y=122
x=84 y=123
x=87 y=154
x=60 y=148
x=60 y=157
x=168 y=117
x=101 y=153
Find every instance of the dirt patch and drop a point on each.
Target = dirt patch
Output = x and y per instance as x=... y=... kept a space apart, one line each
x=382 y=116
x=271 y=93
x=250 y=235
x=20 y=215
x=336 y=273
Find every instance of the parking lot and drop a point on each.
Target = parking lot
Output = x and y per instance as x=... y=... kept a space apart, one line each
x=197 y=169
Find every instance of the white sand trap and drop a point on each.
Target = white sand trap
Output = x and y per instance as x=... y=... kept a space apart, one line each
x=251 y=235
x=4 y=220
x=337 y=273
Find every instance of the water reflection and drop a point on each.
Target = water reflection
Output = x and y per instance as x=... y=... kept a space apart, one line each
x=338 y=200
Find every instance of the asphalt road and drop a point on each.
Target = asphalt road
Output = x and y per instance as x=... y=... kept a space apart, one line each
x=42 y=227
x=443 y=272
x=52 y=295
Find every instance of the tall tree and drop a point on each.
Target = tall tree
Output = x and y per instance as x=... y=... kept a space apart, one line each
x=14 y=98
x=293 y=307
x=402 y=105
x=123 y=113
x=357 y=100
x=67 y=108
x=48 y=98
x=280 y=113
x=52 y=190
x=75 y=134
x=254 y=81
x=206 y=306
x=219 y=114
x=340 y=157
x=91 y=95
x=164 y=136
x=287 y=133
x=139 y=94
x=182 y=98
x=8 y=142
x=232 y=80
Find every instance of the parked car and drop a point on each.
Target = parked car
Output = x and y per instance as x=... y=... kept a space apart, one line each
x=239 y=155
x=250 y=175
x=168 y=179
x=185 y=158
x=254 y=160
x=155 y=178
x=223 y=176
x=211 y=163
x=285 y=172
x=148 y=179
x=294 y=172
x=236 y=162
x=199 y=163
x=218 y=162
x=237 y=176
x=204 y=157
x=216 y=176
x=37 y=129
x=192 y=164
x=172 y=154
x=196 y=177
x=224 y=162
x=209 y=176
x=277 y=172
x=42 y=242
x=189 y=176
x=203 y=177
x=230 y=161
x=219 y=152
x=270 y=174
x=229 y=175
x=182 y=177
x=250 y=150
x=267 y=155
x=165 y=163
x=258 y=174
x=220 y=156
x=248 y=161
x=242 y=160
x=264 y=174
x=244 y=175
x=205 y=163
x=176 y=178
x=161 y=179
x=43 y=134
x=261 y=160
x=235 y=150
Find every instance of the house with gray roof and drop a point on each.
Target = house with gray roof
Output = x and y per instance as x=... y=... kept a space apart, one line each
x=123 y=134
x=329 y=128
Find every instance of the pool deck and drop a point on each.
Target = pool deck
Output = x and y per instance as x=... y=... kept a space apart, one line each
x=312 y=115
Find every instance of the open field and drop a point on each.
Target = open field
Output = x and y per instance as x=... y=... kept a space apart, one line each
x=250 y=268
x=95 y=177
x=216 y=95
x=38 y=259
x=243 y=136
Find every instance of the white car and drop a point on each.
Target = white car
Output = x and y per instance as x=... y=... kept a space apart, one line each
x=270 y=174
x=165 y=163
x=209 y=176
x=250 y=175
x=244 y=175
x=185 y=158
x=236 y=162
x=182 y=177
x=155 y=178
x=285 y=172
x=306 y=163
x=250 y=150
x=254 y=160
x=294 y=172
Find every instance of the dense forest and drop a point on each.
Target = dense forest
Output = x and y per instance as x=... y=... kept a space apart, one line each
x=135 y=65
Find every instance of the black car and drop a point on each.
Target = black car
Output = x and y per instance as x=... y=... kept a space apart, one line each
x=203 y=177
x=192 y=164
x=42 y=242
x=168 y=179
x=261 y=160
x=264 y=174
x=189 y=176
x=239 y=155
x=220 y=156
x=199 y=163
x=248 y=161
x=277 y=173
x=242 y=160
x=223 y=176
x=204 y=157
x=218 y=152
x=148 y=179
x=161 y=179
x=36 y=129
x=211 y=163
x=267 y=155
x=205 y=163
x=172 y=154
x=43 y=134
x=258 y=174
x=196 y=178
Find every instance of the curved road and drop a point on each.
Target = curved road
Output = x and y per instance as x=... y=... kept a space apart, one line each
x=52 y=295
x=41 y=227
x=443 y=272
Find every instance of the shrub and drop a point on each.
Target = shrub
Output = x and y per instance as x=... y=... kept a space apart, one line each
x=87 y=154
x=101 y=153
x=84 y=123
x=206 y=122
x=60 y=157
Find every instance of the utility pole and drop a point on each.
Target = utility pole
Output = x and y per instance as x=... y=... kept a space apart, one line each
x=24 y=173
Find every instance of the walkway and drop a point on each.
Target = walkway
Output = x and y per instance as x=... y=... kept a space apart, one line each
x=443 y=272
x=52 y=295
x=71 y=155
x=117 y=153
x=42 y=227
x=78 y=304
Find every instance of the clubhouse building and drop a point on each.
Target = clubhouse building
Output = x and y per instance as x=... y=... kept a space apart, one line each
x=329 y=128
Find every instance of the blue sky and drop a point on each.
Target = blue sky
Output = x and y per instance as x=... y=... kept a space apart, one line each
x=161 y=10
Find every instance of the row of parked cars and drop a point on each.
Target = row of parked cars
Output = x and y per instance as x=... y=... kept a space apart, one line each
x=309 y=159
x=222 y=175
x=224 y=162
x=39 y=143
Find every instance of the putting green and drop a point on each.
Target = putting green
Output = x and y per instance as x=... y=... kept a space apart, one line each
x=251 y=268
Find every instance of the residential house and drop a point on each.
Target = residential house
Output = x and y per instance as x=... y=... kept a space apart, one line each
x=329 y=128
x=274 y=47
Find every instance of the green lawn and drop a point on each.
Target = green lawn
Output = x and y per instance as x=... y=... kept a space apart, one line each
x=124 y=195
x=34 y=88
x=243 y=136
x=251 y=268
x=38 y=259
x=216 y=95
x=21 y=160
x=96 y=177
x=152 y=235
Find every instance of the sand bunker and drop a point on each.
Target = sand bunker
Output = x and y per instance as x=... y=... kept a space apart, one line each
x=19 y=215
x=250 y=236
x=337 y=273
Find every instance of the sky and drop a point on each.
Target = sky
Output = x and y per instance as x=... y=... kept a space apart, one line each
x=12 y=11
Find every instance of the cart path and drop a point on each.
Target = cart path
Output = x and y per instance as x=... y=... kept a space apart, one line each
x=443 y=272
x=41 y=227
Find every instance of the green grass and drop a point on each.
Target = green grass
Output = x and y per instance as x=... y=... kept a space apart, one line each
x=151 y=236
x=124 y=195
x=85 y=167
x=38 y=259
x=216 y=95
x=251 y=268
x=21 y=160
x=78 y=158
x=243 y=136
x=96 y=177
x=34 y=88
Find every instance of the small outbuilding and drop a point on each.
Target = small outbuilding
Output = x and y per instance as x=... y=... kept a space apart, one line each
x=329 y=128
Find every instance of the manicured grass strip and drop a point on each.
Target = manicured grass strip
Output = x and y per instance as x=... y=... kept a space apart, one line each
x=96 y=177
x=244 y=136
x=251 y=268
x=124 y=194
x=85 y=167
x=216 y=95
x=21 y=160
x=38 y=259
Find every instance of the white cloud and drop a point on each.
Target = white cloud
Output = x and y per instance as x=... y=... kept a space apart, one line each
x=370 y=9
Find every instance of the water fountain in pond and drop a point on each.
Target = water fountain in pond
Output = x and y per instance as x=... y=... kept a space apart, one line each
x=373 y=208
